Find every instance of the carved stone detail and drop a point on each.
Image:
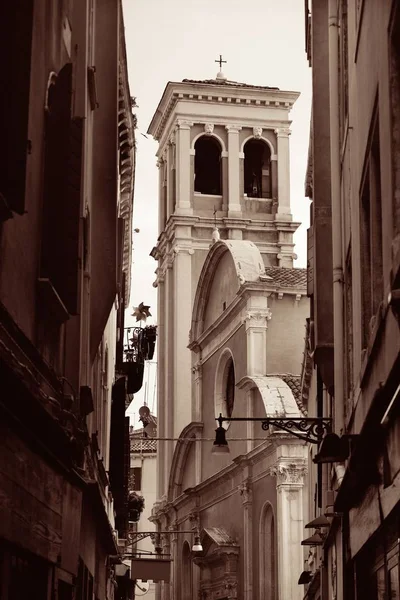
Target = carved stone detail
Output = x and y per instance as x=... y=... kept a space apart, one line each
x=209 y=128
x=257 y=132
x=246 y=492
x=182 y=124
x=282 y=131
x=289 y=473
x=260 y=316
x=233 y=128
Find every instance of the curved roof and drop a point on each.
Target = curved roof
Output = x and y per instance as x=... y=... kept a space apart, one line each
x=248 y=264
x=277 y=397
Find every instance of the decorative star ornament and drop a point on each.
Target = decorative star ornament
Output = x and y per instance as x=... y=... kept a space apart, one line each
x=141 y=312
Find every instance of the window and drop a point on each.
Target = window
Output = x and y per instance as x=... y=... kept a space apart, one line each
x=187 y=573
x=377 y=568
x=84 y=583
x=267 y=554
x=207 y=166
x=16 y=24
x=62 y=185
x=230 y=388
x=225 y=386
x=136 y=479
x=371 y=236
x=257 y=169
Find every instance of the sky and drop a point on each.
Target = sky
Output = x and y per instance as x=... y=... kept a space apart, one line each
x=170 y=40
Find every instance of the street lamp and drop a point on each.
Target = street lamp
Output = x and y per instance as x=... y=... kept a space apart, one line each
x=309 y=429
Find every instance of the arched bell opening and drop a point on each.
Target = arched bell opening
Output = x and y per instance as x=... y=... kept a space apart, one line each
x=207 y=166
x=257 y=169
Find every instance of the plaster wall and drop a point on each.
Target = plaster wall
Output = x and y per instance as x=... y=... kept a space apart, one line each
x=223 y=290
x=286 y=332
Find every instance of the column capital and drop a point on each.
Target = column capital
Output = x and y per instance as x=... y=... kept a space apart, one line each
x=233 y=128
x=183 y=250
x=289 y=473
x=282 y=131
x=257 y=318
x=184 y=124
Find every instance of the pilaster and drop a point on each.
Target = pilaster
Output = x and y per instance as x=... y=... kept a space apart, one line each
x=282 y=135
x=182 y=376
x=274 y=176
x=256 y=325
x=247 y=500
x=290 y=474
x=183 y=188
x=197 y=371
x=234 y=208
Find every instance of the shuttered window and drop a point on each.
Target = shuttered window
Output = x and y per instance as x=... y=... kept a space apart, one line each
x=62 y=192
x=16 y=23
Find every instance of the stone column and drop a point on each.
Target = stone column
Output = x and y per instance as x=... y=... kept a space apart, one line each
x=282 y=135
x=183 y=188
x=256 y=319
x=171 y=175
x=181 y=375
x=247 y=498
x=160 y=282
x=234 y=192
x=168 y=398
x=290 y=472
x=197 y=371
x=274 y=177
x=162 y=191
x=176 y=562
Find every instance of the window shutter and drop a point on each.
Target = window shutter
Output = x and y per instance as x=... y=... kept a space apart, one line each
x=62 y=192
x=68 y=285
x=16 y=24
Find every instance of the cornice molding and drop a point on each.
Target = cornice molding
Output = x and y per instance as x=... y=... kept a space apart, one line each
x=216 y=94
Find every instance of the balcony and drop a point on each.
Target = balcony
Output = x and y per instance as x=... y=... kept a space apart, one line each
x=138 y=346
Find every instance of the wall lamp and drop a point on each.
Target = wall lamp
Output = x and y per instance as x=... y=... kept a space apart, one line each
x=154 y=535
x=334 y=448
x=307 y=429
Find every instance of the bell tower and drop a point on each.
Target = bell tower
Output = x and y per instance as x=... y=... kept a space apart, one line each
x=223 y=162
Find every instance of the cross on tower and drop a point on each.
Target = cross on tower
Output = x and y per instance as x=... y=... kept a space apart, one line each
x=220 y=61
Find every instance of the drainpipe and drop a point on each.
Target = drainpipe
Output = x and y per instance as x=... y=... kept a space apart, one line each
x=336 y=215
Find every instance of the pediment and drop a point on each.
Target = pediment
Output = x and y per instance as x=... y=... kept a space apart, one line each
x=218 y=564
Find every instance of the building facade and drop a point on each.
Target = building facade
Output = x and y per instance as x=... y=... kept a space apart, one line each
x=353 y=274
x=230 y=338
x=66 y=197
x=143 y=478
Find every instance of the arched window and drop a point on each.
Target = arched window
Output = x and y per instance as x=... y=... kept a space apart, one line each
x=225 y=386
x=267 y=554
x=207 y=166
x=187 y=573
x=230 y=388
x=257 y=169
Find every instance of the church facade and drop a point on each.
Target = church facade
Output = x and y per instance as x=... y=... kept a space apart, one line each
x=231 y=314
